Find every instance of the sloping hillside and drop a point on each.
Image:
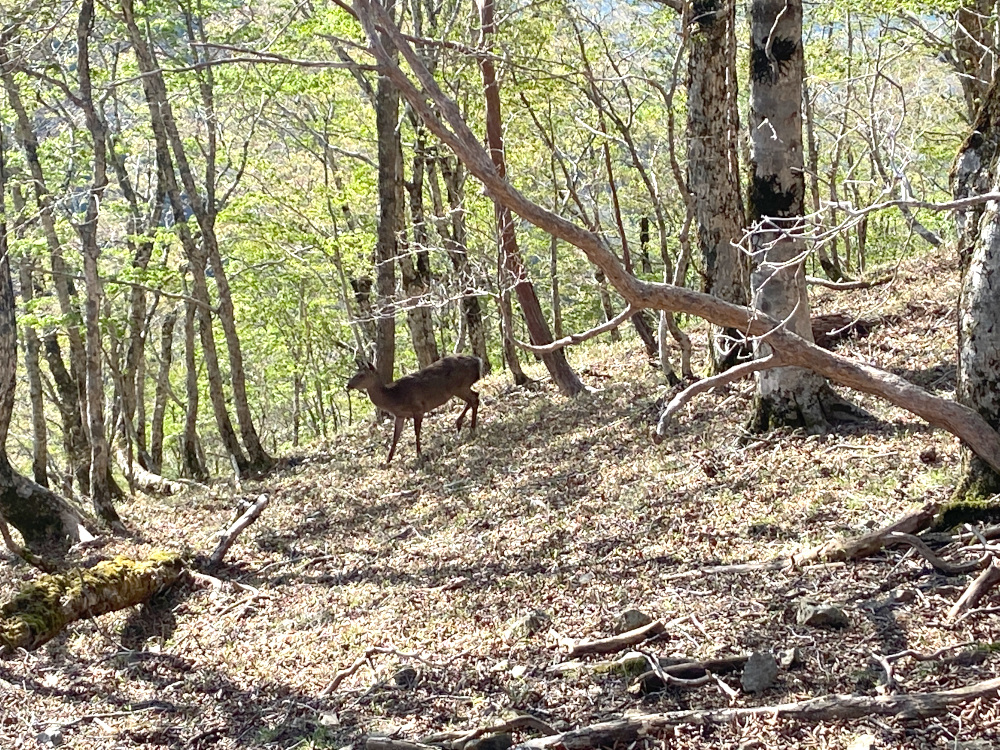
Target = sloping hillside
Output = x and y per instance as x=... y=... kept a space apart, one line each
x=370 y=601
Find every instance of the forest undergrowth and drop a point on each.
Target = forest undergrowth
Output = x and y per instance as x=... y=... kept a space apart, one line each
x=369 y=601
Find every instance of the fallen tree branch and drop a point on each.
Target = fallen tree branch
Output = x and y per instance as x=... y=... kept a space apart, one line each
x=458 y=740
x=44 y=607
x=825 y=708
x=682 y=673
x=867 y=544
x=578 y=338
x=249 y=516
x=706 y=384
x=942 y=566
x=617 y=643
x=986 y=580
x=147 y=481
x=847 y=285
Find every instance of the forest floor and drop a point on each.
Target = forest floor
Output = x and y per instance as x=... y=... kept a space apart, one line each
x=419 y=575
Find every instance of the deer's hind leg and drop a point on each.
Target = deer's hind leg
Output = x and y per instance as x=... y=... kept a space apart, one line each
x=471 y=399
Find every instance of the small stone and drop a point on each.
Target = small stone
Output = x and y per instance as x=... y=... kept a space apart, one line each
x=50 y=736
x=329 y=719
x=759 y=672
x=631 y=619
x=491 y=742
x=790 y=657
x=406 y=677
x=528 y=625
x=519 y=671
x=821 y=615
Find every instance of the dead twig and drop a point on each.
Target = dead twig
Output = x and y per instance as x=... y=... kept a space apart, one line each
x=249 y=516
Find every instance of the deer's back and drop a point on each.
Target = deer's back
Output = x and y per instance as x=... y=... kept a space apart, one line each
x=426 y=389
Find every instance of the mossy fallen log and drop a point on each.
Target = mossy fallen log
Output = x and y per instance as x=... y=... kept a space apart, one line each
x=44 y=607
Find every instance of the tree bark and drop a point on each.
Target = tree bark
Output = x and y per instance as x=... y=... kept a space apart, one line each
x=713 y=164
x=415 y=265
x=514 y=273
x=162 y=392
x=786 y=396
x=100 y=460
x=32 y=367
x=977 y=170
x=46 y=522
x=44 y=607
x=191 y=463
x=389 y=224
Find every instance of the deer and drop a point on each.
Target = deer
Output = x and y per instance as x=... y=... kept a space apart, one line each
x=412 y=396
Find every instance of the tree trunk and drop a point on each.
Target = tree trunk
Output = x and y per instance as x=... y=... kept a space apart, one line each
x=162 y=388
x=168 y=141
x=514 y=274
x=389 y=176
x=713 y=165
x=191 y=464
x=454 y=232
x=977 y=170
x=100 y=458
x=32 y=366
x=786 y=396
x=44 y=607
x=974 y=53
x=61 y=275
x=415 y=265
x=46 y=521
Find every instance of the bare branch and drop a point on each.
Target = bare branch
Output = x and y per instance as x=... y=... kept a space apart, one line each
x=578 y=338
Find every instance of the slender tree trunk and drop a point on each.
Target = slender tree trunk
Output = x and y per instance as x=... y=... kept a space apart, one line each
x=45 y=521
x=713 y=165
x=100 y=458
x=32 y=366
x=454 y=232
x=507 y=337
x=513 y=266
x=386 y=245
x=76 y=375
x=162 y=392
x=164 y=132
x=786 y=396
x=204 y=208
x=416 y=264
x=191 y=463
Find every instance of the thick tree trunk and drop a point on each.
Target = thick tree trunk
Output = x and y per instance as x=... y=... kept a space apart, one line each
x=977 y=170
x=786 y=396
x=713 y=164
x=514 y=273
x=975 y=51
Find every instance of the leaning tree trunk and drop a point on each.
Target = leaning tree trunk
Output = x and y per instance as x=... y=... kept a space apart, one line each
x=514 y=273
x=786 y=396
x=977 y=170
x=46 y=521
x=713 y=164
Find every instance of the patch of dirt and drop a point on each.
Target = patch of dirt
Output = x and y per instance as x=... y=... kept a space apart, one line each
x=559 y=505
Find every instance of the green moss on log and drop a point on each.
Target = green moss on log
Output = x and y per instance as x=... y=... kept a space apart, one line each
x=44 y=607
